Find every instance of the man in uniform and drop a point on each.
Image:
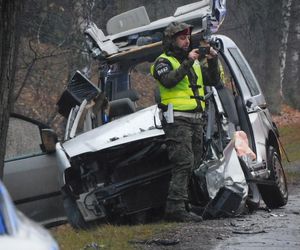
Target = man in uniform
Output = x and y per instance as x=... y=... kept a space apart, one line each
x=181 y=83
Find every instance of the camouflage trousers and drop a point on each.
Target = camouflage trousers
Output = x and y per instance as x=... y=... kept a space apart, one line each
x=185 y=138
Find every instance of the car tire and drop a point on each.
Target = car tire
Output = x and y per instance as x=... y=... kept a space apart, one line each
x=74 y=216
x=275 y=195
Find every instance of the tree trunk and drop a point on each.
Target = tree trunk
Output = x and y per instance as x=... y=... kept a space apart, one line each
x=255 y=26
x=9 y=41
x=291 y=82
x=286 y=13
x=80 y=59
x=272 y=27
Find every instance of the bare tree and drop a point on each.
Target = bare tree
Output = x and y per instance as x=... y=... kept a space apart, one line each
x=256 y=27
x=82 y=15
x=286 y=13
x=291 y=80
x=9 y=41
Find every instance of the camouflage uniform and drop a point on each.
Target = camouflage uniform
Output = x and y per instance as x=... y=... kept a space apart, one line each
x=185 y=135
x=185 y=150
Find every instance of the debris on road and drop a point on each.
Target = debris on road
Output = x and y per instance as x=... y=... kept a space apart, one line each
x=160 y=242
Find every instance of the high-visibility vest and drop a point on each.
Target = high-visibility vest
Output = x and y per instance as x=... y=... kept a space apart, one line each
x=180 y=94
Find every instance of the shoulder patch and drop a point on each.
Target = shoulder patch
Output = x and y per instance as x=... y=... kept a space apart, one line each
x=162 y=66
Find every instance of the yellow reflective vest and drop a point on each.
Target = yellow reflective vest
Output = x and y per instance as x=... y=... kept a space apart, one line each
x=180 y=95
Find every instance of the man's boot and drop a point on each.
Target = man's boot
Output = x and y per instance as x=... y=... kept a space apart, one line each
x=175 y=211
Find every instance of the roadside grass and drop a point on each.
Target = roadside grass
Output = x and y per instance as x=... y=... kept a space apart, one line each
x=290 y=138
x=107 y=236
x=292 y=177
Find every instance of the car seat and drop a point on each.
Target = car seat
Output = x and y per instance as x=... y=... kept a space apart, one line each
x=130 y=93
x=121 y=107
x=124 y=103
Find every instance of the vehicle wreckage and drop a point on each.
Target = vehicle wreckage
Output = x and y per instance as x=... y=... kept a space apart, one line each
x=113 y=162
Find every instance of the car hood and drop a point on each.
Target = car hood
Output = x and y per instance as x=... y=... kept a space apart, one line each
x=137 y=126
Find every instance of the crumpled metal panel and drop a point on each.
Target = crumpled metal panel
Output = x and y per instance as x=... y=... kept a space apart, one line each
x=102 y=41
x=228 y=173
x=137 y=126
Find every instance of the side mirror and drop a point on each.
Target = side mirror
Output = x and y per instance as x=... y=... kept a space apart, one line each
x=49 y=140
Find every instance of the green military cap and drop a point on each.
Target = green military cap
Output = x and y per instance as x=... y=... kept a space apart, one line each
x=175 y=27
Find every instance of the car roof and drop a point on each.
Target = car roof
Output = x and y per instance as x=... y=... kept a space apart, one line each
x=126 y=28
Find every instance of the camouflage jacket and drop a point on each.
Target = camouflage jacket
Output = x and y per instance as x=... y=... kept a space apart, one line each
x=169 y=77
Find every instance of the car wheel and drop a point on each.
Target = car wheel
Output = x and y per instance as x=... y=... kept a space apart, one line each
x=73 y=214
x=275 y=195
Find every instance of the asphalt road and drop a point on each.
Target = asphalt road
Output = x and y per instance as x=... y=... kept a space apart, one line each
x=276 y=229
x=263 y=229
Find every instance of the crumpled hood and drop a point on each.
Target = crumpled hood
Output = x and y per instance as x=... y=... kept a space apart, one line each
x=136 y=126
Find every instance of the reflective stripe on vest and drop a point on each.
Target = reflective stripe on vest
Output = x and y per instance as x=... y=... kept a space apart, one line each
x=180 y=95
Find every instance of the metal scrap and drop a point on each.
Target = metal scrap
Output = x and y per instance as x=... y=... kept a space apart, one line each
x=249 y=231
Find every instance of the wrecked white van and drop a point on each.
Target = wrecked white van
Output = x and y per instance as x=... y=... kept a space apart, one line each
x=113 y=162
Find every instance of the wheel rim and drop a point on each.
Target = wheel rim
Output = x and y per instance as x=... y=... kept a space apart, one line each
x=280 y=176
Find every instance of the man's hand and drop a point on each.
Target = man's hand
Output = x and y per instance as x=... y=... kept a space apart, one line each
x=194 y=54
x=212 y=53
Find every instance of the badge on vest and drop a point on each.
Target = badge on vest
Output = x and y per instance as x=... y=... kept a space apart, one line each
x=163 y=70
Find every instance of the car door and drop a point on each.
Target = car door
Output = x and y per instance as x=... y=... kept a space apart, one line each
x=257 y=118
x=30 y=174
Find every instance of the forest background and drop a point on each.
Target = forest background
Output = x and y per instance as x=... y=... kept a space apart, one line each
x=52 y=47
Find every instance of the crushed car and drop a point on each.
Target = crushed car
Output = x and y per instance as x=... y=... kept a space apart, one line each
x=113 y=162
